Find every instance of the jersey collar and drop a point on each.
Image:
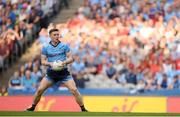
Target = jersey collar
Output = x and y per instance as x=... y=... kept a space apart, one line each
x=53 y=44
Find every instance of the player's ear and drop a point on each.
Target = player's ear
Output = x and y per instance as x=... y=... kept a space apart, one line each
x=50 y=34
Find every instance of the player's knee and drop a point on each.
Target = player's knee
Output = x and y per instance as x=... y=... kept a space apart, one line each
x=40 y=91
x=73 y=90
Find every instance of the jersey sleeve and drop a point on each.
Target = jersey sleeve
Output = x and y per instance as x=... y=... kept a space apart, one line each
x=44 y=51
x=67 y=49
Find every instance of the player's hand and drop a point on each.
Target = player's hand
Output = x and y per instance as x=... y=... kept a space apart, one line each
x=60 y=63
x=64 y=63
x=51 y=64
x=56 y=64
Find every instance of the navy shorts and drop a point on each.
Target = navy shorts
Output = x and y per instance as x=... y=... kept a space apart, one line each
x=58 y=76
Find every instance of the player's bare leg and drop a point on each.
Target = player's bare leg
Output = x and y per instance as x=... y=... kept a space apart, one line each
x=70 y=84
x=45 y=83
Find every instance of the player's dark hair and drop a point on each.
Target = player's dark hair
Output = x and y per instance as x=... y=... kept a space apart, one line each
x=53 y=30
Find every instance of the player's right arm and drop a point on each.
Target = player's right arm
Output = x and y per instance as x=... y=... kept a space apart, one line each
x=44 y=61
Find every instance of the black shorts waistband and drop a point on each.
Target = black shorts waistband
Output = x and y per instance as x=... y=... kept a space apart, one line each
x=54 y=74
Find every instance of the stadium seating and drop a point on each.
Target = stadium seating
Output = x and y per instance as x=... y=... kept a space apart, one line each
x=127 y=45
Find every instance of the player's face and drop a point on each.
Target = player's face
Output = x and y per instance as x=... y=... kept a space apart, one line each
x=55 y=36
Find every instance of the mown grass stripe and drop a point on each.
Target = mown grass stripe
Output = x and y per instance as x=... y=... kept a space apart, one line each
x=94 y=116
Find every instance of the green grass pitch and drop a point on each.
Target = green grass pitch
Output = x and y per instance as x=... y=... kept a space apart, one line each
x=84 y=114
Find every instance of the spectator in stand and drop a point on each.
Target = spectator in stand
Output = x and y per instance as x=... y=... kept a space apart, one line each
x=29 y=82
x=36 y=74
x=4 y=53
x=29 y=65
x=3 y=91
x=15 y=81
x=78 y=71
x=176 y=82
x=111 y=71
x=91 y=64
x=150 y=83
x=22 y=71
x=43 y=38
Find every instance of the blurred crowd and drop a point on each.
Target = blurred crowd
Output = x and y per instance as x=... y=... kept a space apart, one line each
x=117 y=44
x=20 y=22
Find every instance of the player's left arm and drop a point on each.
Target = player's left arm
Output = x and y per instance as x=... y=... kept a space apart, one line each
x=69 y=59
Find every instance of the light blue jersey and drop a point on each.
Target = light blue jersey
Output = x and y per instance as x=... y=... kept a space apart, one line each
x=54 y=53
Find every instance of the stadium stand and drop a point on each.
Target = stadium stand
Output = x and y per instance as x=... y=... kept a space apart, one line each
x=20 y=20
x=20 y=23
x=120 y=47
